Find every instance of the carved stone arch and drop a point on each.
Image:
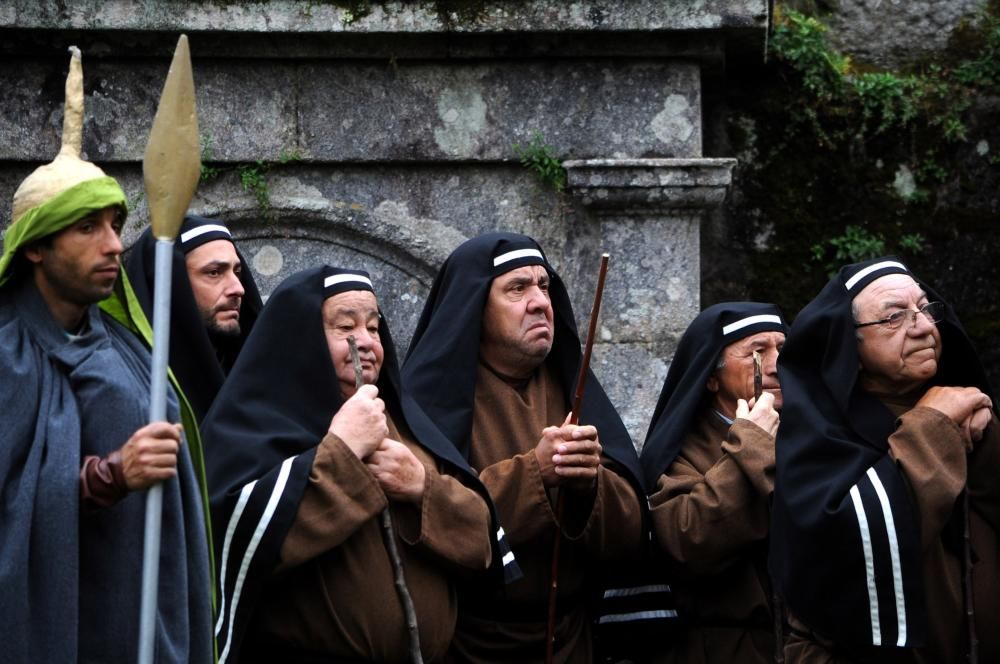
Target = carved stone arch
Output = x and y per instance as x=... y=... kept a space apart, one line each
x=402 y=254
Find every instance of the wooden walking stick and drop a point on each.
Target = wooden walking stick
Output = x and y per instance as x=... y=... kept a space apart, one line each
x=970 y=607
x=171 y=167
x=777 y=609
x=389 y=538
x=581 y=381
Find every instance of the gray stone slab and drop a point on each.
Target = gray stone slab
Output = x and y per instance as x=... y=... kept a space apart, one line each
x=401 y=16
x=479 y=111
x=352 y=112
x=893 y=33
x=632 y=375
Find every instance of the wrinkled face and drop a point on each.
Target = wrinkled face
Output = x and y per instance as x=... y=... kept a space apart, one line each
x=214 y=272
x=79 y=265
x=735 y=379
x=353 y=313
x=517 y=328
x=895 y=361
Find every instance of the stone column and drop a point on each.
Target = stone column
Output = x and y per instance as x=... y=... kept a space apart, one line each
x=646 y=213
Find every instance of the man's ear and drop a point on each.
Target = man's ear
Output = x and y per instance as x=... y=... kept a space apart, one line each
x=33 y=252
x=712 y=385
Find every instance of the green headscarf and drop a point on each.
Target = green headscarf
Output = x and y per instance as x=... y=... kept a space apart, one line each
x=57 y=213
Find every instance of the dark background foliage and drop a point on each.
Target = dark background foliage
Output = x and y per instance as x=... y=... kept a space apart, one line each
x=842 y=161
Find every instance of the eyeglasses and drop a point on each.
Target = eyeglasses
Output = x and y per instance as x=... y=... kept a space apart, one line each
x=932 y=311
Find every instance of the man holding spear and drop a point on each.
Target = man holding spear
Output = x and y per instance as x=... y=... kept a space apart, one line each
x=77 y=449
x=493 y=362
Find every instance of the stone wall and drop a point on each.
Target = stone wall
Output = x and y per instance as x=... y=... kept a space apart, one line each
x=386 y=136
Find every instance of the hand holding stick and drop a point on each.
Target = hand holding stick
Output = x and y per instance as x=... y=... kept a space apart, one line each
x=389 y=539
x=581 y=381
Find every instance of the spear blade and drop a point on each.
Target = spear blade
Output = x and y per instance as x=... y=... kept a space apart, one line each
x=171 y=165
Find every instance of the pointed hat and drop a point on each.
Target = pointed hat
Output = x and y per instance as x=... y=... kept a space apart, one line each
x=57 y=194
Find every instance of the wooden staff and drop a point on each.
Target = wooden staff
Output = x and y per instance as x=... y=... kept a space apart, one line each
x=389 y=538
x=776 y=607
x=171 y=167
x=581 y=381
x=970 y=609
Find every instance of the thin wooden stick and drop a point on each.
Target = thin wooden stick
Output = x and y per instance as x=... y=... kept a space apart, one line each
x=389 y=539
x=970 y=608
x=777 y=609
x=581 y=381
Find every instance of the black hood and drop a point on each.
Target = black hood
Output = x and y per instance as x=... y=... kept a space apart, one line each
x=440 y=369
x=684 y=389
x=199 y=367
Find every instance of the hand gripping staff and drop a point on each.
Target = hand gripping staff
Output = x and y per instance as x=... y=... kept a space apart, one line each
x=581 y=380
x=389 y=539
x=170 y=168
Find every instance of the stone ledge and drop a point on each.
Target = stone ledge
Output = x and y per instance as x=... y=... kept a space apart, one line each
x=389 y=16
x=638 y=185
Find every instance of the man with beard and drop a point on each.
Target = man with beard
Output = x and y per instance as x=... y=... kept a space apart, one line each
x=77 y=451
x=213 y=306
x=889 y=448
x=710 y=455
x=302 y=463
x=493 y=362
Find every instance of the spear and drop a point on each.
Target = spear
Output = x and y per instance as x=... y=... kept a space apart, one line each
x=581 y=381
x=389 y=539
x=170 y=167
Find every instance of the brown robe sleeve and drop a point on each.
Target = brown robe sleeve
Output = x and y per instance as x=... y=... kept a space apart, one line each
x=706 y=519
x=612 y=525
x=341 y=496
x=606 y=519
x=984 y=469
x=452 y=521
x=929 y=449
x=102 y=481
x=520 y=496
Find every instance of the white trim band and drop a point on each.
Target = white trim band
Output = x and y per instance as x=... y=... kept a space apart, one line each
x=637 y=615
x=866 y=545
x=201 y=230
x=637 y=590
x=514 y=255
x=335 y=279
x=897 y=568
x=751 y=320
x=849 y=284
x=258 y=534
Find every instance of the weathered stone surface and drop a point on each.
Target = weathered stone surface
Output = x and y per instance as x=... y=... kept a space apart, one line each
x=895 y=32
x=307 y=16
x=632 y=375
x=353 y=112
x=650 y=183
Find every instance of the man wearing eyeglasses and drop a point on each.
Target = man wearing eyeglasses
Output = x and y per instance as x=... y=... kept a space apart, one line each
x=886 y=516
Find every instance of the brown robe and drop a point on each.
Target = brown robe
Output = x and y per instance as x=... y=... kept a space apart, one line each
x=711 y=515
x=336 y=593
x=929 y=450
x=599 y=525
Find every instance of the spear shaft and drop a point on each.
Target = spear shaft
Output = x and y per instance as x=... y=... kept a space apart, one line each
x=171 y=166
x=389 y=539
x=581 y=382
